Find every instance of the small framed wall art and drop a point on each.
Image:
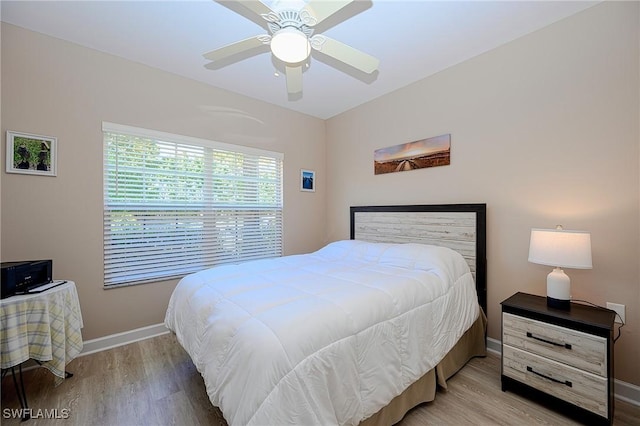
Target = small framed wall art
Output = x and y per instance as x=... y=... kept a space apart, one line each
x=31 y=154
x=307 y=180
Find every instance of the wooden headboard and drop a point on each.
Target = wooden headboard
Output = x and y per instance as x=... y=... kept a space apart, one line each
x=461 y=227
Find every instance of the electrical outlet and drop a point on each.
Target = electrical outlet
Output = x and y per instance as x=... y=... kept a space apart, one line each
x=619 y=309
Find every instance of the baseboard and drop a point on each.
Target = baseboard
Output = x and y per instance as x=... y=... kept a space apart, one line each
x=121 y=339
x=494 y=346
x=627 y=392
x=623 y=391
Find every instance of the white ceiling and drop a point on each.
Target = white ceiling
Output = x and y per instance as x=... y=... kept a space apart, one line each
x=412 y=39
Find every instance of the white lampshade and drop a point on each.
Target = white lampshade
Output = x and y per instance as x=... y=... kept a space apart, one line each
x=561 y=249
x=290 y=45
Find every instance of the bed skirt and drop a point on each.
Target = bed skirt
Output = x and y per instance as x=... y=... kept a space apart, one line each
x=471 y=344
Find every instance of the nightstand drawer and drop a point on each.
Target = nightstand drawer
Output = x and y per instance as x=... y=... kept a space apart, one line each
x=583 y=389
x=584 y=351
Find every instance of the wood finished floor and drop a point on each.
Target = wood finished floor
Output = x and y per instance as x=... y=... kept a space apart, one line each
x=153 y=382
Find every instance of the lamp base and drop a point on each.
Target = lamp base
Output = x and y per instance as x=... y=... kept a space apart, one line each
x=562 y=304
x=558 y=290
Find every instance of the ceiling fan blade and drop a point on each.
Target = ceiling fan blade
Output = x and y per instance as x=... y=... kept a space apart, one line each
x=294 y=79
x=347 y=54
x=317 y=11
x=234 y=49
x=254 y=6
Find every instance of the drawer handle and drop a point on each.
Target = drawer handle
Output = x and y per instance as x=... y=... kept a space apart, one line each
x=566 y=382
x=565 y=345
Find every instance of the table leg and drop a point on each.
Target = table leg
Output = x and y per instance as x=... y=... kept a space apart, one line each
x=20 y=389
x=22 y=395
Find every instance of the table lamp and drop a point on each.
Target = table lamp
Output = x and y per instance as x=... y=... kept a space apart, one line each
x=560 y=248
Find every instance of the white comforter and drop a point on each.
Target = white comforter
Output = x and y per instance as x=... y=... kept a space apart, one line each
x=324 y=338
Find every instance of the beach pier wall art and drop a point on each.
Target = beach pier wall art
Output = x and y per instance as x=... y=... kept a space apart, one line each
x=431 y=152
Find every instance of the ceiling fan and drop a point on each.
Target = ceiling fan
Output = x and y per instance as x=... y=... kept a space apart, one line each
x=291 y=38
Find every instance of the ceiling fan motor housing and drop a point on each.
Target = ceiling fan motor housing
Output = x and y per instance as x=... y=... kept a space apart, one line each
x=287 y=18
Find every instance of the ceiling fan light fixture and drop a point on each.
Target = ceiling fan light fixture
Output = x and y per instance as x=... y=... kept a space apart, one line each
x=290 y=45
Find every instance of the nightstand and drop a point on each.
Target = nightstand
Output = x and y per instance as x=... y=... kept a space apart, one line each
x=561 y=358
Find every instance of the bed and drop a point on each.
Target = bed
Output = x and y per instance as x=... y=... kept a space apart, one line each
x=358 y=332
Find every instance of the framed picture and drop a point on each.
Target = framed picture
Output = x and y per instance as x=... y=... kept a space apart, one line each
x=307 y=180
x=31 y=154
x=431 y=152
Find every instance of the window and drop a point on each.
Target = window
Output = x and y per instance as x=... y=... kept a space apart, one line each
x=175 y=205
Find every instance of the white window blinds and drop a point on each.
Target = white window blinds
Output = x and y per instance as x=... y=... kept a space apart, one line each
x=174 y=205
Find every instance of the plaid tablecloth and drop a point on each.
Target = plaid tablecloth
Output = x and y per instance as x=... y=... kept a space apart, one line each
x=44 y=326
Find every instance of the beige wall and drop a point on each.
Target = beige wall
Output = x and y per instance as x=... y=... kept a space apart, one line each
x=59 y=89
x=545 y=130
